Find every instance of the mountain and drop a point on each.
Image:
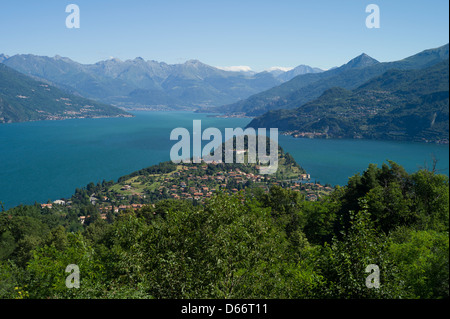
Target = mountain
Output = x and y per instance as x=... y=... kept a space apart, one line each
x=299 y=70
x=285 y=74
x=360 y=62
x=63 y=73
x=25 y=99
x=277 y=71
x=408 y=105
x=307 y=87
x=139 y=83
x=3 y=57
x=144 y=84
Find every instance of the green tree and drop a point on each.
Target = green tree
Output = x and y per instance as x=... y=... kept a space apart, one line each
x=27 y=232
x=230 y=248
x=343 y=263
x=7 y=245
x=48 y=265
x=431 y=200
x=389 y=207
x=320 y=219
x=13 y=281
x=286 y=208
x=423 y=259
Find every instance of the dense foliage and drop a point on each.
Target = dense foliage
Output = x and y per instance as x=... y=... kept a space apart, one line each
x=258 y=245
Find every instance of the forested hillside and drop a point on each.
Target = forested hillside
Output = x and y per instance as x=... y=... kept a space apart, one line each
x=24 y=99
x=398 y=105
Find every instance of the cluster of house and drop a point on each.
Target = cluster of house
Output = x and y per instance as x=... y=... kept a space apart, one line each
x=56 y=202
x=192 y=186
x=185 y=185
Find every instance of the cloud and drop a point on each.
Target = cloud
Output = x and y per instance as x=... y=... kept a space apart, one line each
x=281 y=68
x=239 y=68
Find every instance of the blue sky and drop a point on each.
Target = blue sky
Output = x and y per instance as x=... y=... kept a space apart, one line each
x=259 y=34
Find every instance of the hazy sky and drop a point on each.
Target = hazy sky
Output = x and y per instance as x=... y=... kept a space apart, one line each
x=260 y=34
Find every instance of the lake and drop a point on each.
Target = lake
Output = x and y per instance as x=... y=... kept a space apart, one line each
x=47 y=160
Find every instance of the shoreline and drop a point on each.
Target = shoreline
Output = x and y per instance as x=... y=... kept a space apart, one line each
x=315 y=135
x=309 y=155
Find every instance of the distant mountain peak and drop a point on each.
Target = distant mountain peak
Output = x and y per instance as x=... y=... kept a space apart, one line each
x=361 y=61
x=114 y=59
x=61 y=58
x=194 y=62
x=3 y=57
x=58 y=57
x=298 y=70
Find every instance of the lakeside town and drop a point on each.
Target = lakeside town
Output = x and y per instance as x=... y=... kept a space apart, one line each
x=191 y=182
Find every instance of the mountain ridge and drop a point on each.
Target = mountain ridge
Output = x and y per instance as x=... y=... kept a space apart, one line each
x=304 y=88
x=190 y=85
x=25 y=99
x=408 y=105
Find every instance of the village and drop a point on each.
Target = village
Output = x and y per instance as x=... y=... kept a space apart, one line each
x=192 y=182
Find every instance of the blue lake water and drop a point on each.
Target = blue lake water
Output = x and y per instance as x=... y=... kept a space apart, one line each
x=49 y=159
